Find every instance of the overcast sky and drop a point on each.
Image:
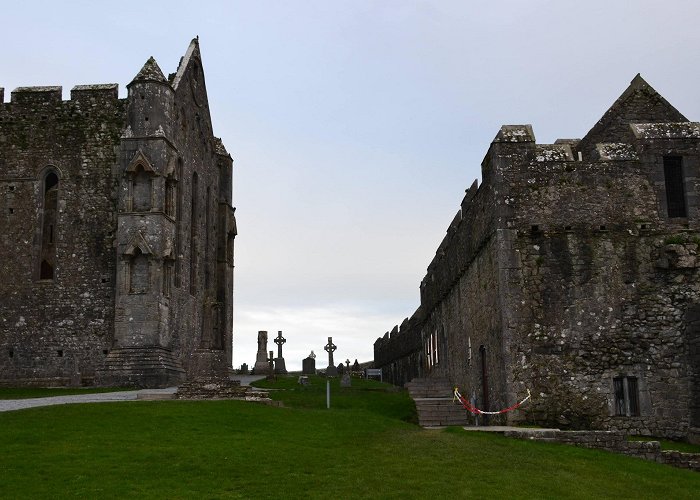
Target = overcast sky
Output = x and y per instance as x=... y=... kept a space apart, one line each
x=355 y=126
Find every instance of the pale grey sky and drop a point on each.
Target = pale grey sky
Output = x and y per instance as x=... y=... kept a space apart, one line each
x=356 y=126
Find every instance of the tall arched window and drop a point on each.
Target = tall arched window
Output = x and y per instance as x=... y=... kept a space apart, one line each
x=47 y=253
x=193 y=236
x=178 y=224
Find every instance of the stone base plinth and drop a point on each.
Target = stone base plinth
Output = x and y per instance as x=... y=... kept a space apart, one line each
x=280 y=367
x=147 y=367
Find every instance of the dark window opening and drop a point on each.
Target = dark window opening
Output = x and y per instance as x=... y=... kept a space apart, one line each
x=626 y=392
x=11 y=188
x=49 y=215
x=105 y=280
x=11 y=354
x=603 y=228
x=46 y=271
x=12 y=210
x=51 y=181
x=567 y=228
x=59 y=353
x=534 y=229
x=675 y=196
x=105 y=352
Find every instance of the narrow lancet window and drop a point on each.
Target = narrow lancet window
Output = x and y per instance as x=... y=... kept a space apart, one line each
x=193 y=237
x=47 y=258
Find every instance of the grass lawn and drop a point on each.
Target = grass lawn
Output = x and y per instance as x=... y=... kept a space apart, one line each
x=359 y=448
x=44 y=392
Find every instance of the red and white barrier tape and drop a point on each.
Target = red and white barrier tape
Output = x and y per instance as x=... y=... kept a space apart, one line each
x=477 y=411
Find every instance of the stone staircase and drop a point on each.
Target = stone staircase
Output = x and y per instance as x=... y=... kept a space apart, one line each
x=433 y=398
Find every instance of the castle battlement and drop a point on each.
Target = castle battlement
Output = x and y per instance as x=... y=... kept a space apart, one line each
x=52 y=95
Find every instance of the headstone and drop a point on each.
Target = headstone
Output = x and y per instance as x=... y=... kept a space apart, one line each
x=330 y=347
x=279 y=360
x=356 y=366
x=261 y=365
x=271 y=366
x=303 y=380
x=345 y=381
x=347 y=366
x=308 y=366
x=341 y=369
x=244 y=369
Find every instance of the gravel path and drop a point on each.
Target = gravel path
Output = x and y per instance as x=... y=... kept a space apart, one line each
x=104 y=397
x=21 y=404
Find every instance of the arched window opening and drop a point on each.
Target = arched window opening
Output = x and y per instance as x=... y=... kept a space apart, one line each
x=49 y=212
x=207 y=200
x=178 y=226
x=193 y=236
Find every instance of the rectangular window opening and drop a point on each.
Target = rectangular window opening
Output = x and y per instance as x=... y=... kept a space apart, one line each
x=626 y=394
x=675 y=194
x=59 y=353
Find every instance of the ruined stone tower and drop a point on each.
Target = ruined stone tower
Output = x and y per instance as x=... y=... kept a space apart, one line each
x=118 y=233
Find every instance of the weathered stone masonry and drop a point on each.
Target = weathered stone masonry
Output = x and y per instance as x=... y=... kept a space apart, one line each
x=572 y=271
x=117 y=233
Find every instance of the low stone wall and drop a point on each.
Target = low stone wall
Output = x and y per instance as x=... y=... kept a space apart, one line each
x=616 y=442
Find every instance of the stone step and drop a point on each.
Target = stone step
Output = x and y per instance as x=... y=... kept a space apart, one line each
x=428 y=387
x=435 y=403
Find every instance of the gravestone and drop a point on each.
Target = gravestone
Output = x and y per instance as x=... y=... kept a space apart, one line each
x=341 y=369
x=244 y=369
x=356 y=366
x=345 y=381
x=279 y=360
x=271 y=366
x=330 y=347
x=308 y=366
x=261 y=367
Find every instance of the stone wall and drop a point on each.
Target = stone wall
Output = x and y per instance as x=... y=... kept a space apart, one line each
x=563 y=272
x=118 y=232
x=616 y=442
x=56 y=331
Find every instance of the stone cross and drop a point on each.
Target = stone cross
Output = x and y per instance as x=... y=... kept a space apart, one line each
x=271 y=359
x=279 y=361
x=330 y=347
x=347 y=364
x=279 y=340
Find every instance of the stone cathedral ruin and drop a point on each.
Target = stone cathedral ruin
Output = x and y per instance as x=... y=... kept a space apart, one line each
x=117 y=233
x=573 y=270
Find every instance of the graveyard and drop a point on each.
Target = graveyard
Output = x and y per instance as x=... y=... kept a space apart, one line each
x=366 y=445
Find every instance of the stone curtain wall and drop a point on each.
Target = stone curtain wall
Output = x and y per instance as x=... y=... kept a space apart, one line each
x=571 y=275
x=602 y=286
x=57 y=331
